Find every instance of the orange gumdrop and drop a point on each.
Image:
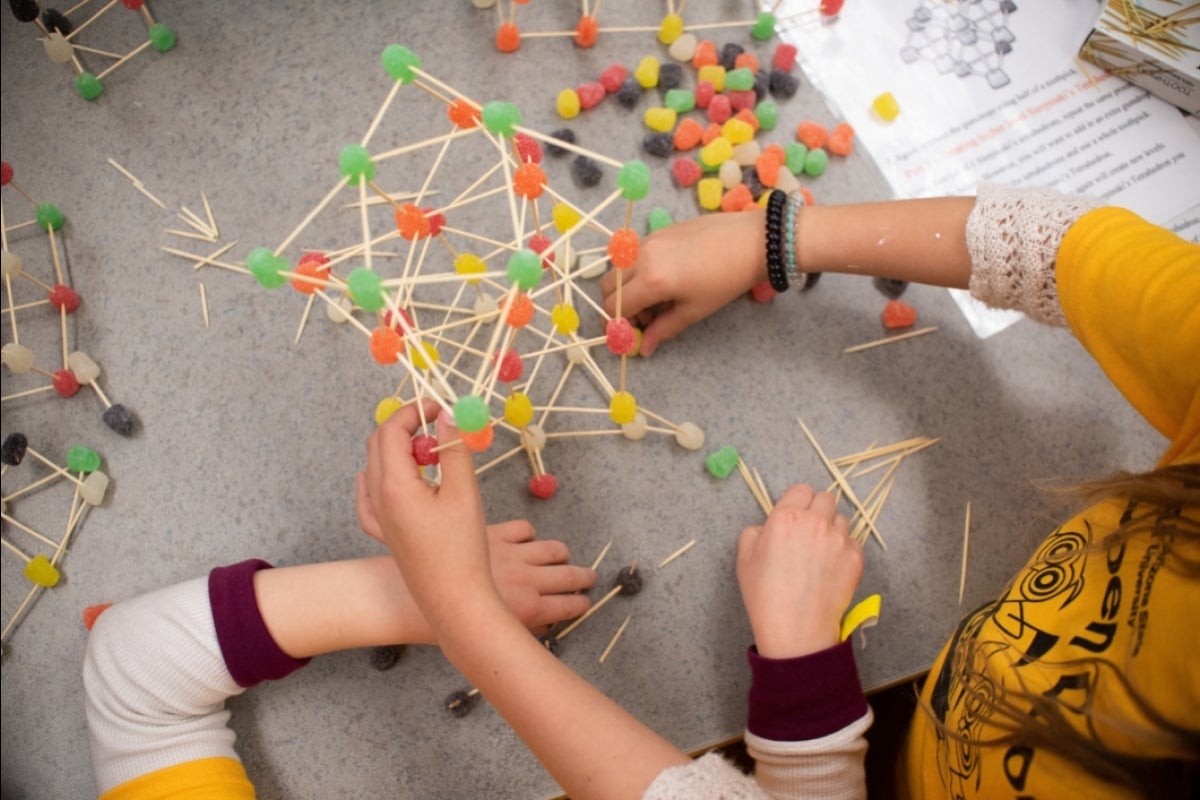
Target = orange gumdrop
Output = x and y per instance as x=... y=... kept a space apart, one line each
x=746 y=60
x=92 y=613
x=811 y=134
x=478 y=441
x=705 y=54
x=586 y=31
x=737 y=198
x=312 y=265
x=807 y=195
x=687 y=134
x=747 y=116
x=841 y=140
x=521 y=311
x=529 y=180
x=386 y=345
x=463 y=114
x=412 y=222
x=767 y=165
x=898 y=314
x=711 y=132
x=623 y=248
x=508 y=38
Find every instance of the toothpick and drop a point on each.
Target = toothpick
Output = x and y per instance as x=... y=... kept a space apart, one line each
x=847 y=490
x=600 y=557
x=888 y=340
x=763 y=503
x=594 y=608
x=203 y=303
x=137 y=184
x=962 y=579
x=612 y=642
x=677 y=554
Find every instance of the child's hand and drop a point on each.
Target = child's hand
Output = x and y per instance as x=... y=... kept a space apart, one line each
x=435 y=533
x=798 y=573
x=688 y=270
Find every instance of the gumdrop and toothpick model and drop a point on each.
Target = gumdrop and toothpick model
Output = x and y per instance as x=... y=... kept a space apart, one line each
x=480 y=310
x=76 y=368
x=61 y=34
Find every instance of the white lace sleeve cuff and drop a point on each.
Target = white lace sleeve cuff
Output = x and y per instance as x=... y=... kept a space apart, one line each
x=1013 y=236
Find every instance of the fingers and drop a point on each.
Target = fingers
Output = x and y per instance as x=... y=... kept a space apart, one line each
x=457 y=463
x=514 y=531
x=747 y=541
x=799 y=496
x=554 y=608
x=364 y=509
x=542 y=553
x=564 y=579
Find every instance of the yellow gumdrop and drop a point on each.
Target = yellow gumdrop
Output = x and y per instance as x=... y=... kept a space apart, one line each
x=737 y=131
x=387 y=406
x=565 y=217
x=40 y=571
x=660 y=119
x=469 y=264
x=565 y=318
x=425 y=356
x=622 y=408
x=518 y=410
x=716 y=152
x=714 y=74
x=886 y=107
x=671 y=28
x=567 y=104
x=646 y=73
x=709 y=192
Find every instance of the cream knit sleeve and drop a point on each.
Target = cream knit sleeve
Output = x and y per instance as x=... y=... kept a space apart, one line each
x=1013 y=236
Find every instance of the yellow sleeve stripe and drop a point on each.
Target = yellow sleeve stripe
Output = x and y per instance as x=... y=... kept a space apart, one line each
x=205 y=779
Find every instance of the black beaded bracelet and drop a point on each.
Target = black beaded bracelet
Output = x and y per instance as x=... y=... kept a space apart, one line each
x=776 y=258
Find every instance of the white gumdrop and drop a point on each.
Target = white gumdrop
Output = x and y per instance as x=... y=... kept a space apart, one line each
x=533 y=436
x=339 y=310
x=636 y=430
x=683 y=48
x=576 y=354
x=86 y=370
x=17 y=357
x=58 y=48
x=93 y=488
x=10 y=264
x=689 y=436
x=594 y=268
x=486 y=305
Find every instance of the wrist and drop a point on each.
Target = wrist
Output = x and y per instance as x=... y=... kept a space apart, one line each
x=793 y=641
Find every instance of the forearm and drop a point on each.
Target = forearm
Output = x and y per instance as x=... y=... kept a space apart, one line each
x=319 y=608
x=592 y=747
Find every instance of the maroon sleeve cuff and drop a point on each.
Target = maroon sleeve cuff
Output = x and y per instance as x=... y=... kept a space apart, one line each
x=251 y=654
x=797 y=699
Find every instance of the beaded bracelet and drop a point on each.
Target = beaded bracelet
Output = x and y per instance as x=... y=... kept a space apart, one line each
x=777 y=272
x=795 y=201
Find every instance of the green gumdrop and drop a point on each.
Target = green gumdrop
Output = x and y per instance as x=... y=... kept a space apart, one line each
x=722 y=462
x=88 y=86
x=767 y=114
x=49 y=217
x=354 y=162
x=502 y=118
x=266 y=267
x=82 y=459
x=162 y=37
x=794 y=154
x=680 y=101
x=763 y=27
x=525 y=269
x=634 y=180
x=399 y=61
x=658 y=218
x=815 y=162
x=366 y=288
x=471 y=413
x=739 y=80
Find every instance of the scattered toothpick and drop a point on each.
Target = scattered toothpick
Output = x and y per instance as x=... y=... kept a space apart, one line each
x=962 y=579
x=889 y=339
x=677 y=554
x=137 y=184
x=612 y=642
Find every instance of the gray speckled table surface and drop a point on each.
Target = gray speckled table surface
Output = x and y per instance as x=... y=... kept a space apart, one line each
x=248 y=444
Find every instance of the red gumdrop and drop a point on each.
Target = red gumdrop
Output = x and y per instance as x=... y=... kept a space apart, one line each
x=612 y=77
x=619 y=336
x=785 y=57
x=132 y=5
x=64 y=297
x=740 y=100
x=720 y=109
x=623 y=248
x=511 y=366
x=543 y=486
x=705 y=92
x=390 y=320
x=529 y=181
x=590 y=94
x=437 y=220
x=763 y=292
x=685 y=172
x=898 y=314
x=463 y=114
x=528 y=148
x=424 y=450
x=92 y=613
x=586 y=31
x=540 y=244
x=830 y=8
x=6 y=173
x=65 y=382
x=508 y=38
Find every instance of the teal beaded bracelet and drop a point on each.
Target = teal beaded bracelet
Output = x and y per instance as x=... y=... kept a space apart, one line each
x=794 y=202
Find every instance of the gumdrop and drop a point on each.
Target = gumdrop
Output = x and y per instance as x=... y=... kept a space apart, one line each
x=39 y=570
x=64 y=298
x=841 y=140
x=437 y=220
x=529 y=150
x=120 y=419
x=709 y=192
x=742 y=100
x=659 y=118
x=82 y=459
x=25 y=10
x=783 y=84
x=831 y=8
x=469 y=264
x=763 y=292
x=65 y=383
x=737 y=131
x=784 y=57
x=567 y=104
x=518 y=410
x=634 y=180
x=470 y=413
x=898 y=314
x=424 y=355
x=385 y=408
x=460 y=703
x=646 y=73
x=478 y=441
x=722 y=462
x=891 y=288
x=629 y=93
x=729 y=54
x=355 y=164
x=88 y=86
x=508 y=38
x=812 y=134
x=386 y=345
x=6 y=173
x=704 y=93
x=520 y=313
x=424 y=450
x=590 y=94
x=586 y=170
x=92 y=613
x=565 y=135
x=510 y=367
x=86 y=370
x=529 y=181
x=385 y=656
x=623 y=248
x=886 y=107
x=612 y=76
x=12 y=451
x=705 y=54
x=463 y=114
x=313 y=266
x=670 y=76
x=753 y=182
x=619 y=336
x=737 y=198
x=683 y=48
x=687 y=134
x=49 y=217
x=658 y=144
x=680 y=101
x=739 y=80
x=657 y=218
x=622 y=408
x=365 y=288
x=55 y=20
x=161 y=37
x=540 y=244
x=815 y=162
x=586 y=31
x=565 y=217
x=685 y=172
x=767 y=114
x=716 y=153
x=714 y=74
x=502 y=118
x=543 y=486
x=670 y=29
x=763 y=27
x=794 y=154
x=629 y=579
x=767 y=166
x=564 y=318
x=399 y=62
x=720 y=109
x=411 y=222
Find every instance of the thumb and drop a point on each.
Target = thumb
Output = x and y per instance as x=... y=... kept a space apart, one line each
x=666 y=325
x=457 y=463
